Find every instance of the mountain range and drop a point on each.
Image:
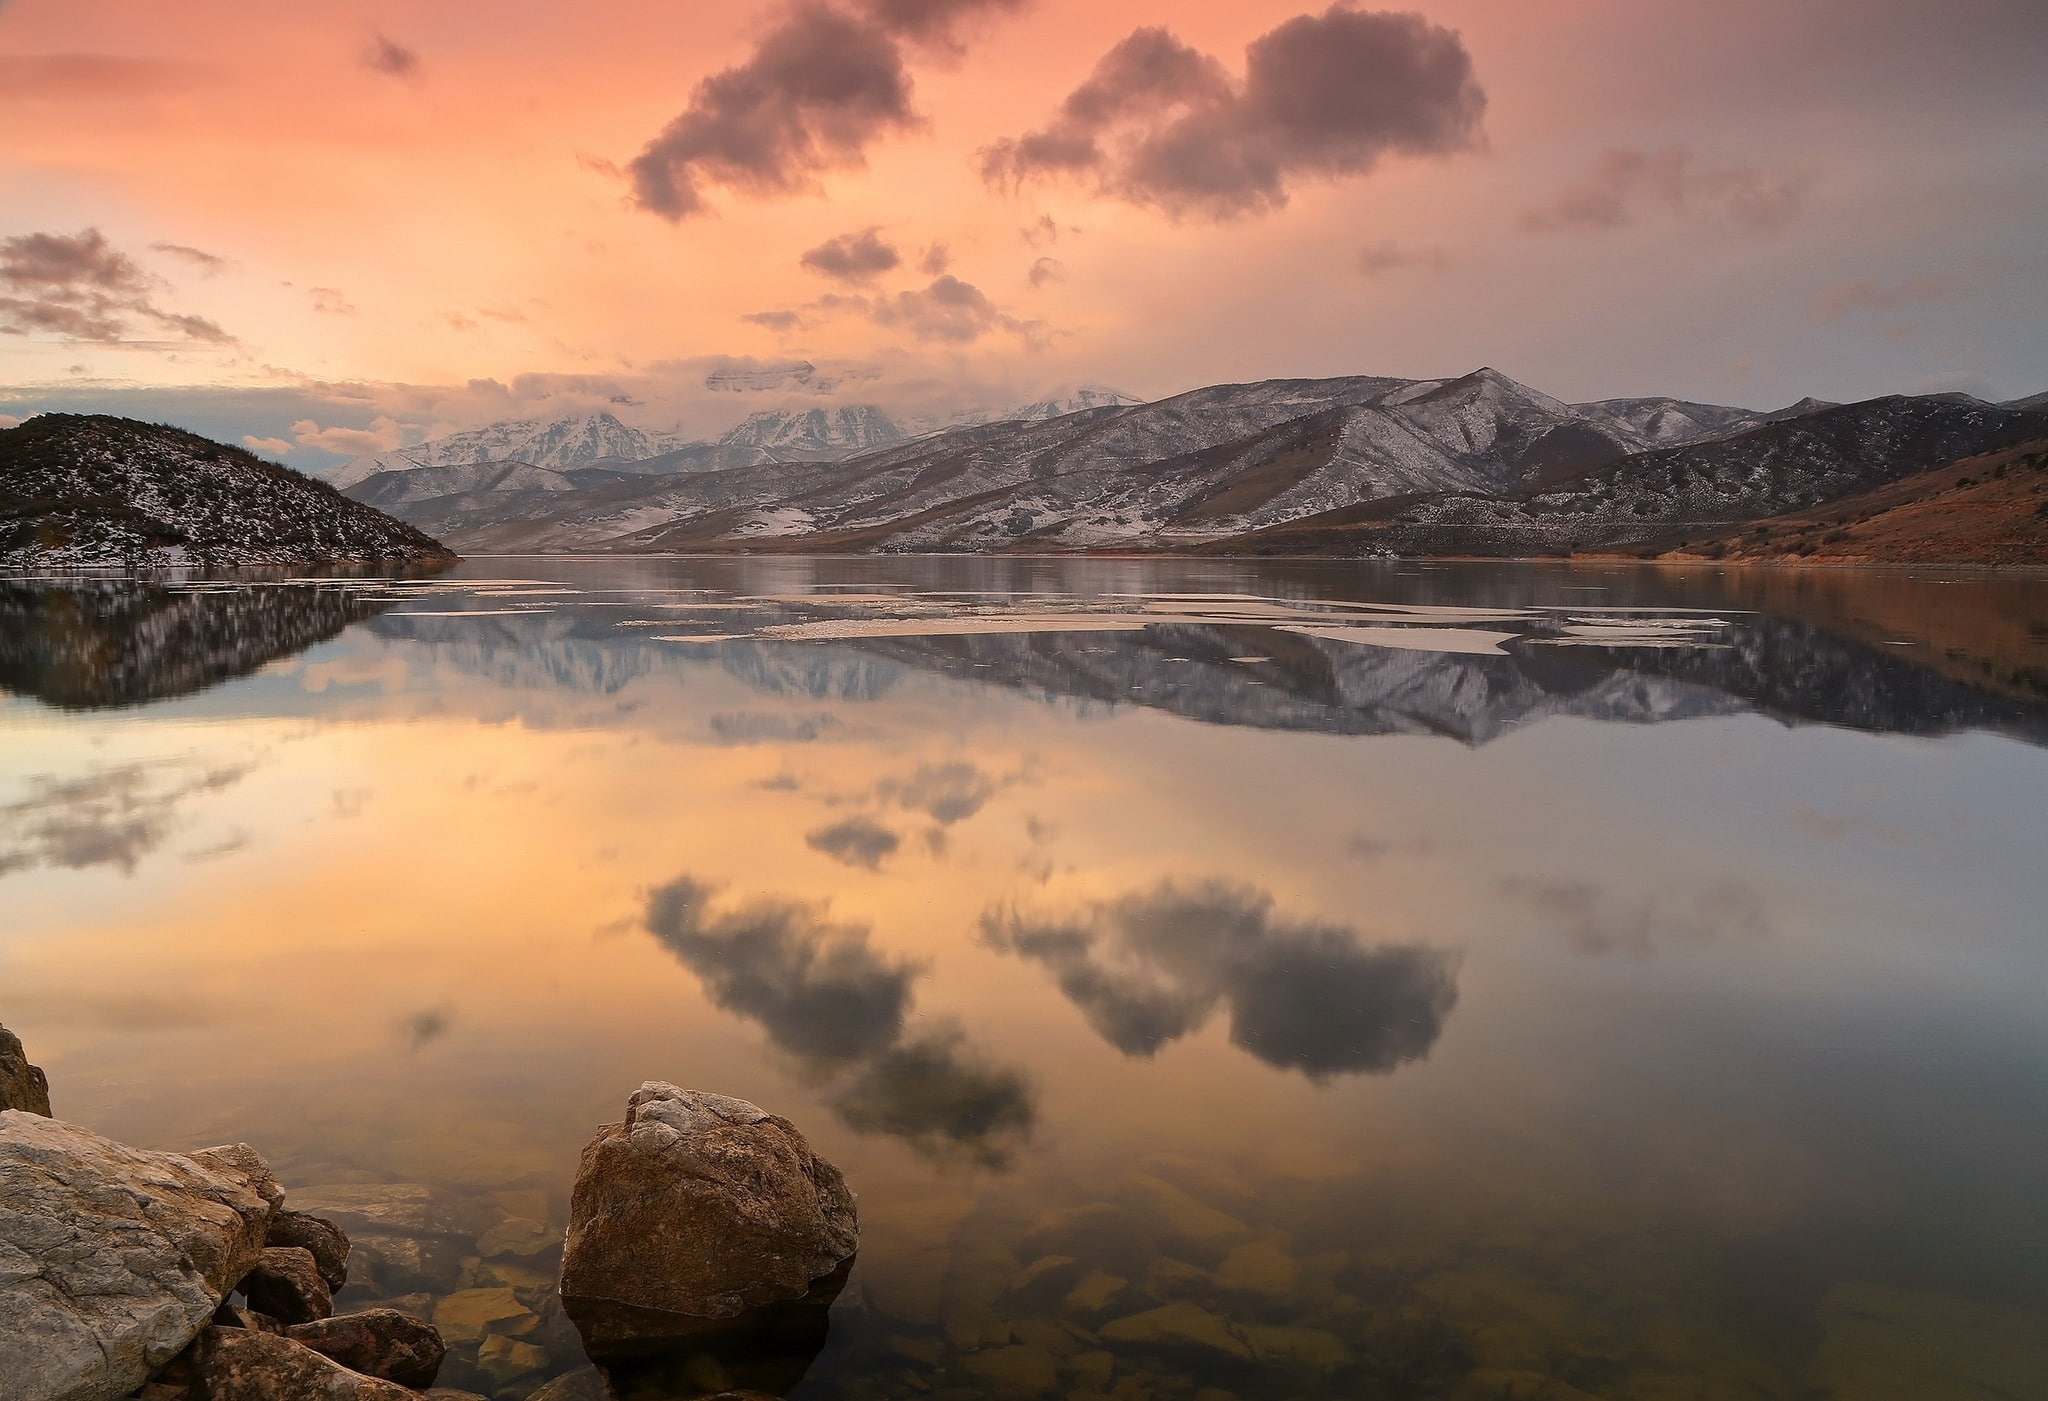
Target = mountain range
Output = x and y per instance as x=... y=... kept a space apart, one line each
x=1477 y=464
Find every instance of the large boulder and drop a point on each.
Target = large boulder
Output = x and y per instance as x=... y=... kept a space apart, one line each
x=702 y=1207
x=286 y=1285
x=231 y=1364
x=113 y=1258
x=326 y=1242
x=22 y=1086
x=378 y=1343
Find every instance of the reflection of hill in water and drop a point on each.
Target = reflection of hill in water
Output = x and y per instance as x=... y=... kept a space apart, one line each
x=1794 y=670
x=84 y=644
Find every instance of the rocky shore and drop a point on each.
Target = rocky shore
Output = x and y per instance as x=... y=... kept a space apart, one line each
x=705 y=1243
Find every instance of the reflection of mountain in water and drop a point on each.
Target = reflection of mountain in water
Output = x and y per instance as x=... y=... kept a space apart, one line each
x=828 y=998
x=82 y=644
x=1150 y=968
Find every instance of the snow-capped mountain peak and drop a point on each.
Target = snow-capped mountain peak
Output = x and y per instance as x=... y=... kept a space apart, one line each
x=816 y=433
x=552 y=443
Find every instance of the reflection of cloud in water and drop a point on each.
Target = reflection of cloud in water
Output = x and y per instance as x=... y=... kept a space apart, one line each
x=948 y=793
x=815 y=987
x=857 y=841
x=766 y=727
x=825 y=996
x=422 y=1028
x=1148 y=969
x=935 y=1090
x=1595 y=920
x=113 y=817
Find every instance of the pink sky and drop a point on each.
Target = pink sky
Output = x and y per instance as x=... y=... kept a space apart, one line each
x=384 y=204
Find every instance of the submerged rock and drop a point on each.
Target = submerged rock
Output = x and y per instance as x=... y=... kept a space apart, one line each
x=406 y=1236
x=113 y=1258
x=378 y=1343
x=703 y=1207
x=1180 y=1325
x=231 y=1364
x=22 y=1086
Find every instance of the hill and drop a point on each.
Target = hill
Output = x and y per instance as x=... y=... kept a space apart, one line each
x=88 y=491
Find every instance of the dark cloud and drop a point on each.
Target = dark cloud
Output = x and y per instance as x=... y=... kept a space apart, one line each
x=815 y=987
x=822 y=85
x=857 y=841
x=854 y=257
x=113 y=817
x=823 y=995
x=936 y=1092
x=80 y=287
x=777 y=321
x=937 y=258
x=423 y=1028
x=1046 y=270
x=384 y=56
x=1148 y=969
x=770 y=727
x=211 y=264
x=1595 y=920
x=1323 y=96
x=949 y=311
x=1625 y=182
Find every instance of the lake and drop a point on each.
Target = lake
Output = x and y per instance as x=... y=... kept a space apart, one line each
x=1216 y=980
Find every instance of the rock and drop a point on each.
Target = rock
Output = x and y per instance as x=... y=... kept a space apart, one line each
x=22 y=1086
x=705 y=1207
x=1168 y=1279
x=325 y=1241
x=401 y=1265
x=1092 y=1370
x=449 y=1393
x=1202 y=1230
x=408 y=1209
x=1260 y=1268
x=378 y=1343
x=1047 y=1278
x=506 y=1359
x=583 y=1384
x=1094 y=1292
x=286 y=1284
x=1179 y=1325
x=233 y=1315
x=1013 y=1371
x=232 y=1364
x=241 y=1158
x=1307 y=1347
x=518 y=1236
x=111 y=1258
x=465 y=1316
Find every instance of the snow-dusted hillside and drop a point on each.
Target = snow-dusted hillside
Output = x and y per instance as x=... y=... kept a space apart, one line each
x=557 y=443
x=815 y=435
x=88 y=491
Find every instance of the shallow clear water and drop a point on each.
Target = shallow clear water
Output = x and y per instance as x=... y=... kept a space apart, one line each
x=1215 y=980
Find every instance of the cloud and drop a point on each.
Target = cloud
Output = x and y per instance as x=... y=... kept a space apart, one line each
x=946 y=793
x=1625 y=181
x=857 y=841
x=770 y=727
x=1150 y=968
x=823 y=84
x=853 y=258
x=1046 y=270
x=949 y=311
x=381 y=55
x=1867 y=294
x=210 y=264
x=329 y=301
x=1323 y=97
x=816 y=987
x=823 y=995
x=382 y=435
x=112 y=817
x=1594 y=920
x=936 y=259
x=8 y=420
x=80 y=287
x=777 y=321
x=276 y=447
x=1379 y=258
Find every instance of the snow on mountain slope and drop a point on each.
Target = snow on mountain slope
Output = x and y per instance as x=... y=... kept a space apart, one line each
x=557 y=443
x=815 y=434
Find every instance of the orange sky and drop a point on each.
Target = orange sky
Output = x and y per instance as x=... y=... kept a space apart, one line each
x=1743 y=202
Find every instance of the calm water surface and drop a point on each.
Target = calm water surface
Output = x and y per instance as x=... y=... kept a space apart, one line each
x=1217 y=981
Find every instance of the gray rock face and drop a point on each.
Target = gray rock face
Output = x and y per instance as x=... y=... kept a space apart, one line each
x=113 y=1258
x=229 y=1364
x=703 y=1206
x=22 y=1086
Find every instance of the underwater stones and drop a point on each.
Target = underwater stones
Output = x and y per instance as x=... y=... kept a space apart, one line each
x=111 y=1258
x=1182 y=1221
x=583 y=1384
x=22 y=1086
x=703 y=1207
x=1093 y=1293
x=1167 y=1279
x=1017 y=1371
x=1305 y=1347
x=405 y=1236
x=232 y=1364
x=286 y=1284
x=517 y=1236
x=1092 y=1369
x=504 y=1359
x=1260 y=1268
x=1890 y=1344
x=466 y=1315
x=378 y=1343
x=1179 y=1325
x=326 y=1242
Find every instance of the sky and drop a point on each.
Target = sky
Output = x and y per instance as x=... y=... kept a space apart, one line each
x=330 y=228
